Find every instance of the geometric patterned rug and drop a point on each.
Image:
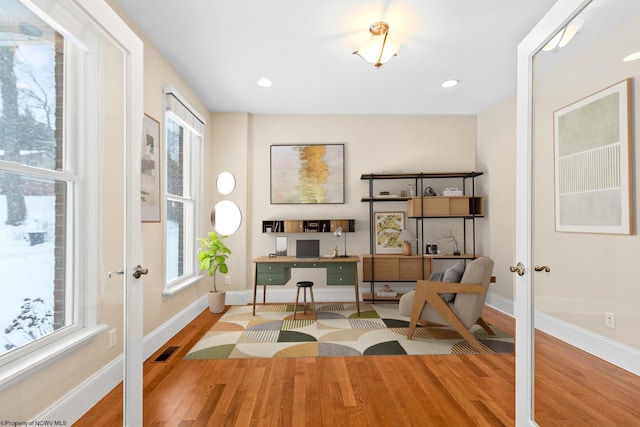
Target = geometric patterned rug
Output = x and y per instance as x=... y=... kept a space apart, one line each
x=338 y=331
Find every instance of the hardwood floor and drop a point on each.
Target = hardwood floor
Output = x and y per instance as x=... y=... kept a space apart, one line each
x=573 y=388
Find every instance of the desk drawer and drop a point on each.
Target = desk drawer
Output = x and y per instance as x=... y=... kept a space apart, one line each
x=341 y=268
x=345 y=279
x=271 y=279
x=309 y=264
x=271 y=268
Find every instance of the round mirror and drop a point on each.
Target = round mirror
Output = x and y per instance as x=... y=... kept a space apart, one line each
x=225 y=183
x=226 y=217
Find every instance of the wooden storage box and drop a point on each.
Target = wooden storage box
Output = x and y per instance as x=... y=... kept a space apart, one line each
x=440 y=206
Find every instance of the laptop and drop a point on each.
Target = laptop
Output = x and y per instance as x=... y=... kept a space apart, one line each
x=307 y=249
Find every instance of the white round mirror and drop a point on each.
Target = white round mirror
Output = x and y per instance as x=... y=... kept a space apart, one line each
x=226 y=217
x=225 y=183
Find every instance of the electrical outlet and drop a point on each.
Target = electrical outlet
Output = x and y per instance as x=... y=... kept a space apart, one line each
x=610 y=320
x=112 y=338
x=227 y=280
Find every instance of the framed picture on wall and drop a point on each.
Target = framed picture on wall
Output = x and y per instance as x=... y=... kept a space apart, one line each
x=592 y=163
x=307 y=173
x=150 y=170
x=388 y=226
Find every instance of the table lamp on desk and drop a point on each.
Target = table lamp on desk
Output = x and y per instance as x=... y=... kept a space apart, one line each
x=338 y=233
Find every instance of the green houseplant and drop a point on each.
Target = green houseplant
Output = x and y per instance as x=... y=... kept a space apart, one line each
x=212 y=255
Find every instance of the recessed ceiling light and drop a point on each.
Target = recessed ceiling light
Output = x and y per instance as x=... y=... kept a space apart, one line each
x=265 y=83
x=632 y=57
x=450 y=83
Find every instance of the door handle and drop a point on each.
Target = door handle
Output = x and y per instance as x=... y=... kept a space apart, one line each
x=544 y=268
x=115 y=273
x=519 y=268
x=139 y=271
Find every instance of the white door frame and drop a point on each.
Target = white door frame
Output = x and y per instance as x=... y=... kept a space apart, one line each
x=133 y=298
x=557 y=17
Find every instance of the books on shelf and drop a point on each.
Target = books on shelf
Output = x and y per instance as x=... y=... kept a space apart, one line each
x=387 y=293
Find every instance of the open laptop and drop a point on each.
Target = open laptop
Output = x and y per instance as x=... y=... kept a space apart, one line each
x=307 y=249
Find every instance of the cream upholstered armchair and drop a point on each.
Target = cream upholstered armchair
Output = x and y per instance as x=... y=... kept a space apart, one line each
x=426 y=304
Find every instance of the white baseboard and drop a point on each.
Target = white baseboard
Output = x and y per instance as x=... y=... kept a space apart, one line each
x=500 y=303
x=623 y=356
x=80 y=400
x=283 y=294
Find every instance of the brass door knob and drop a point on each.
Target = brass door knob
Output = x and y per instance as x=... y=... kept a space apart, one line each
x=519 y=268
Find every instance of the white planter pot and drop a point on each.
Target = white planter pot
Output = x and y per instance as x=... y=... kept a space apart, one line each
x=216 y=301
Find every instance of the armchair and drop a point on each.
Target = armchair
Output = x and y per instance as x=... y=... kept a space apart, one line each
x=426 y=305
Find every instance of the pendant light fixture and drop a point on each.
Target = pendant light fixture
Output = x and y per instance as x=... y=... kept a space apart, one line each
x=380 y=48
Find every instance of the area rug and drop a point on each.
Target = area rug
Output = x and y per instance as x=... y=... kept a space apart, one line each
x=338 y=331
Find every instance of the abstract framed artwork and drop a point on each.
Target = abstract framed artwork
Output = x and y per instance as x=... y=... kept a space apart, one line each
x=150 y=170
x=388 y=226
x=307 y=174
x=592 y=163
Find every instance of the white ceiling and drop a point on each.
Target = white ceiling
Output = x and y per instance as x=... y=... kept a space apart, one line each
x=222 y=47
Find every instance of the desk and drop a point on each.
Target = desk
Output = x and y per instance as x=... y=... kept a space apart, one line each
x=277 y=271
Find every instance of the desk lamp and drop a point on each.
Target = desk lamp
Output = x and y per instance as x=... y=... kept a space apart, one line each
x=338 y=233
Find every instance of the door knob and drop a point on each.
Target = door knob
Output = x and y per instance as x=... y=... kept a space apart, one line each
x=139 y=271
x=519 y=268
x=544 y=268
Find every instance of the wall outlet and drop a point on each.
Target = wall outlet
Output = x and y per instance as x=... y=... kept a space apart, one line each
x=610 y=320
x=112 y=338
x=227 y=280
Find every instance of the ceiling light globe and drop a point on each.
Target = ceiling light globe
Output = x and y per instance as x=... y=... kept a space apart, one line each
x=450 y=83
x=265 y=83
x=632 y=57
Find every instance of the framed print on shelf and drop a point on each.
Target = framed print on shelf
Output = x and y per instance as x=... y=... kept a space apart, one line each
x=150 y=170
x=592 y=163
x=307 y=173
x=388 y=226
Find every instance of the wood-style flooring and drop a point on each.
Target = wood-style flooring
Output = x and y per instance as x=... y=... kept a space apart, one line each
x=573 y=388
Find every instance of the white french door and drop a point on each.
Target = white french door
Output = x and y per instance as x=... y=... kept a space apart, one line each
x=122 y=59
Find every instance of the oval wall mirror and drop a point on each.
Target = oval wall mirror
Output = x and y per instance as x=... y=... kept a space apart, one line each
x=226 y=217
x=225 y=183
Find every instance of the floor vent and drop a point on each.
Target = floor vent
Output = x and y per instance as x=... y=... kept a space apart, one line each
x=165 y=354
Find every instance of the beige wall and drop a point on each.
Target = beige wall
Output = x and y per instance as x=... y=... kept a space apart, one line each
x=496 y=155
x=373 y=144
x=591 y=273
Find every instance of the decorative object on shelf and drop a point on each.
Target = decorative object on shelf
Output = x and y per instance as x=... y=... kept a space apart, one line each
x=451 y=239
x=593 y=163
x=407 y=236
x=386 y=291
x=339 y=231
x=150 y=171
x=452 y=191
x=428 y=192
x=410 y=191
x=380 y=48
x=388 y=226
x=311 y=173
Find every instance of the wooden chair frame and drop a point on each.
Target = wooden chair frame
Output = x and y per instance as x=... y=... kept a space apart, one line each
x=429 y=292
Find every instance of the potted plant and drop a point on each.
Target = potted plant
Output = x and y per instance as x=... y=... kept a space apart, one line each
x=451 y=239
x=213 y=254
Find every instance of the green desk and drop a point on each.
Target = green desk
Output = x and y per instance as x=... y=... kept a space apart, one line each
x=277 y=271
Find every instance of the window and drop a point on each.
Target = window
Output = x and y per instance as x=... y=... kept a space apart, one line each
x=43 y=185
x=183 y=148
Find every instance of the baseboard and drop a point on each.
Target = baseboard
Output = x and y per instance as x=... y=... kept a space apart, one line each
x=623 y=356
x=500 y=303
x=282 y=294
x=620 y=355
x=159 y=337
x=80 y=400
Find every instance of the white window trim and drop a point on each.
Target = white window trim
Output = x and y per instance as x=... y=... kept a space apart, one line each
x=185 y=281
x=82 y=70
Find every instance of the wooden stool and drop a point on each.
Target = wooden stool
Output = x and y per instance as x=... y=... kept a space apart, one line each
x=304 y=285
